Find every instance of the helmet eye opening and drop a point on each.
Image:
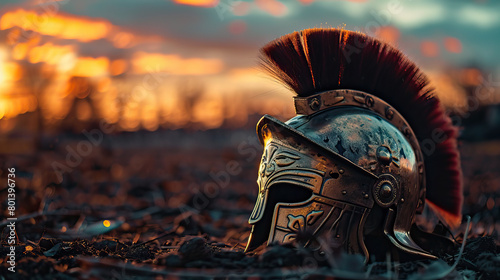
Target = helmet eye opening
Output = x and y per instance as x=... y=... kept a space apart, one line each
x=288 y=193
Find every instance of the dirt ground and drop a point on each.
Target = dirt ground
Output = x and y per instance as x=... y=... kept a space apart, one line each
x=174 y=204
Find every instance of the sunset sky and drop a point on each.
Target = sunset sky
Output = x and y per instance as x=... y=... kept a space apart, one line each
x=158 y=44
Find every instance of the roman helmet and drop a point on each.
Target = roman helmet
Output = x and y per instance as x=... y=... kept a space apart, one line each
x=369 y=147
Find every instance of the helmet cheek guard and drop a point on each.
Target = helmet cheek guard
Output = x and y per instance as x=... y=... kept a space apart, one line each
x=351 y=161
x=290 y=161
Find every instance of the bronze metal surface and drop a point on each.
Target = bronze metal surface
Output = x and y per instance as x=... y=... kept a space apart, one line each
x=352 y=152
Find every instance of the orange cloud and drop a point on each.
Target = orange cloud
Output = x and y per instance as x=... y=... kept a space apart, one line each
x=241 y=8
x=10 y=71
x=237 y=27
x=63 y=26
x=199 y=3
x=13 y=105
x=471 y=77
x=429 y=48
x=306 y=2
x=453 y=45
x=91 y=67
x=118 y=66
x=50 y=53
x=123 y=40
x=245 y=72
x=389 y=34
x=144 y=63
x=272 y=7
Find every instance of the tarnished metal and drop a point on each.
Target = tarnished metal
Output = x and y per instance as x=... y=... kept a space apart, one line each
x=325 y=170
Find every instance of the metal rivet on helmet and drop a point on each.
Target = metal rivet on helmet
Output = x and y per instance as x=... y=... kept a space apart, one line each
x=420 y=168
x=384 y=155
x=407 y=131
x=369 y=101
x=315 y=104
x=385 y=191
x=389 y=113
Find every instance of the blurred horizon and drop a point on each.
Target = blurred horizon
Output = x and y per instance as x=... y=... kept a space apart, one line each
x=157 y=64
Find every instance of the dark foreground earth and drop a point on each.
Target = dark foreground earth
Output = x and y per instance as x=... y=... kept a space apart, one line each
x=175 y=204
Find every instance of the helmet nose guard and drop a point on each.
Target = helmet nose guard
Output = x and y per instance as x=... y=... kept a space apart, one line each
x=353 y=152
